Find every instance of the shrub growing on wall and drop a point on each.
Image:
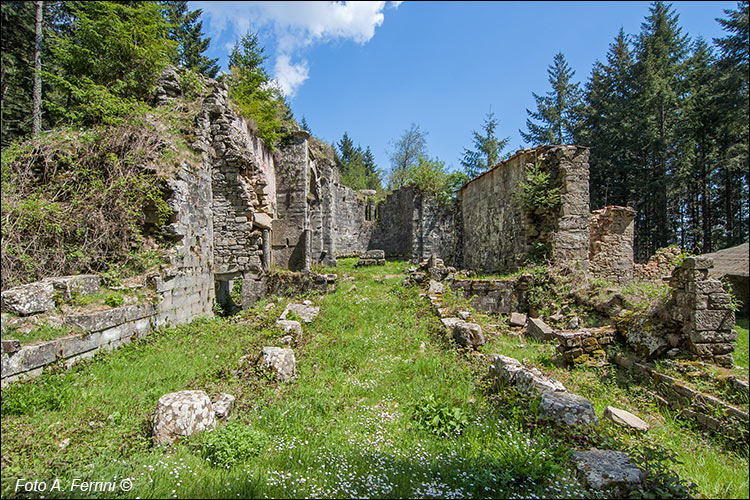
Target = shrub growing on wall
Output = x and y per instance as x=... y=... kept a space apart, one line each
x=538 y=193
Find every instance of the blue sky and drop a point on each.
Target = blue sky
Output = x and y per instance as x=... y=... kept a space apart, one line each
x=372 y=68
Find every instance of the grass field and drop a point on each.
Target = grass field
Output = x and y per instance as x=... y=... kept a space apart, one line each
x=383 y=406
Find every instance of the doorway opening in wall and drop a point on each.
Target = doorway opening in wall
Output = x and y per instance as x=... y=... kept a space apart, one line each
x=228 y=296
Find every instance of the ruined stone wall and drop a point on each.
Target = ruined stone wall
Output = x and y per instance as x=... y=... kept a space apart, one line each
x=702 y=307
x=611 y=243
x=243 y=187
x=415 y=226
x=498 y=234
x=355 y=220
x=291 y=232
x=395 y=231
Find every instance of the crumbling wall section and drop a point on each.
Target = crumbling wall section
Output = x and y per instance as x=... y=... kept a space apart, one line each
x=397 y=218
x=355 y=220
x=291 y=238
x=611 y=243
x=413 y=225
x=702 y=307
x=498 y=234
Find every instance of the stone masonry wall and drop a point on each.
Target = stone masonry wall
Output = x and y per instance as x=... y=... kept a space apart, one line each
x=394 y=233
x=702 y=307
x=611 y=243
x=355 y=220
x=498 y=234
x=415 y=226
x=291 y=232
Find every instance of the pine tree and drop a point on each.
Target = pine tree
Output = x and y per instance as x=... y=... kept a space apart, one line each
x=606 y=126
x=36 y=119
x=304 y=124
x=487 y=148
x=187 y=31
x=659 y=74
x=556 y=110
x=733 y=176
x=16 y=70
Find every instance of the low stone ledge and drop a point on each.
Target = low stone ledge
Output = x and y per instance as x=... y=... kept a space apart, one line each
x=30 y=357
x=101 y=320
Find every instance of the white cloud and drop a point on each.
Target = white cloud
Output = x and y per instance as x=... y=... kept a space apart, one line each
x=296 y=25
x=290 y=76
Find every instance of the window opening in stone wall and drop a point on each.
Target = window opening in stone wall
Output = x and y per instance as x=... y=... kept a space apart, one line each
x=228 y=295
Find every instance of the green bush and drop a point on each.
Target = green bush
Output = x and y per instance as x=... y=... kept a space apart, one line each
x=114 y=299
x=439 y=417
x=538 y=193
x=232 y=444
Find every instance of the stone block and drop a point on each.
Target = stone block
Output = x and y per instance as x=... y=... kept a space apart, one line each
x=101 y=320
x=77 y=344
x=725 y=360
x=305 y=312
x=606 y=469
x=711 y=350
x=624 y=418
x=181 y=414
x=290 y=327
x=279 y=360
x=436 y=287
x=373 y=254
x=566 y=408
x=30 y=357
x=69 y=286
x=589 y=344
x=468 y=334
x=709 y=286
x=540 y=330
x=28 y=299
x=517 y=319
x=703 y=321
x=719 y=300
x=223 y=405
x=697 y=263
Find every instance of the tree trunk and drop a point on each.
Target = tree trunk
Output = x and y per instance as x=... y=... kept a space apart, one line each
x=36 y=118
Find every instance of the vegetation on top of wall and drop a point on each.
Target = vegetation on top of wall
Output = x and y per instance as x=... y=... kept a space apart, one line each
x=538 y=193
x=256 y=96
x=76 y=201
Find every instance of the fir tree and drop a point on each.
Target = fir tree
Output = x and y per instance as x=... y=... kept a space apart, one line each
x=487 y=148
x=659 y=74
x=187 y=31
x=555 y=111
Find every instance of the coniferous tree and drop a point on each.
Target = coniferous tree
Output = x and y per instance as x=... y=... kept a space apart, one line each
x=487 y=148
x=659 y=74
x=556 y=110
x=733 y=176
x=36 y=119
x=187 y=31
x=16 y=70
x=607 y=127
x=304 y=124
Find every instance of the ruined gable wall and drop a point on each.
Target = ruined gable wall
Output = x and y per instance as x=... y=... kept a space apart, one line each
x=354 y=220
x=498 y=235
x=397 y=219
